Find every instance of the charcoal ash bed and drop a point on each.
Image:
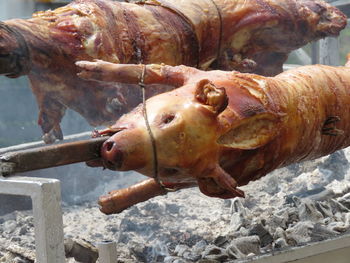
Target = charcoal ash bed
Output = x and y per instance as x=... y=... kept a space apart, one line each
x=289 y=208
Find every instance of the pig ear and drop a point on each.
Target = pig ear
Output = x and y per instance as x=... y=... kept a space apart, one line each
x=212 y=96
x=252 y=133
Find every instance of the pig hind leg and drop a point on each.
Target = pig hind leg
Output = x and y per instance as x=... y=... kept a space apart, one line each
x=219 y=184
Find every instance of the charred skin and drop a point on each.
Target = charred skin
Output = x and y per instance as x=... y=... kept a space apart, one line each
x=222 y=129
x=250 y=36
x=14 y=52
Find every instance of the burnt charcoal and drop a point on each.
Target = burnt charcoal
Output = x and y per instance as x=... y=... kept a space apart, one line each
x=345 y=200
x=233 y=252
x=239 y=215
x=172 y=208
x=199 y=247
x=342 y=226
x=140 y=251
x=279 y=233
x=247 y=245
x=152 y=208
x=171 y=259
x=15 y=239
x=180 y=250
x=112 y=229
x=205 y=260
x=264 y=235
x=213 y=252
x=81 y=250
x=307 y=210
x=128 y=226
x=21 y=260
x=300 y=233
x=321 y=232
x=278 y=221
x=337 y=164
x=280 y=243
x=23 y=231
x=221 y=241
x=324 y=195
x=338 y=207
x=9 y=226
x=157 y=251
x=190 y=239
x=302 y=194
x=324 y=208
x=304 y=167
x=290 y=213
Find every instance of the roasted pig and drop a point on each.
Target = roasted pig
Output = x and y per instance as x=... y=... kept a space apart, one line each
x=249 y=36
x=220 y=130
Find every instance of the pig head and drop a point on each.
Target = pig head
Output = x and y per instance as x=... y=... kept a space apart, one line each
x=206 y=132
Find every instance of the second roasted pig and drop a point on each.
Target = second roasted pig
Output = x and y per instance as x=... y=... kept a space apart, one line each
x=220 y=130
x=250 y=36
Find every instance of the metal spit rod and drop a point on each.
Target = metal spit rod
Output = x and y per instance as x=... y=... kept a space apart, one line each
x=50 y=156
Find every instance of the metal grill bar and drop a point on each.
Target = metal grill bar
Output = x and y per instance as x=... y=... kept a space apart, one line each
x=48 y=223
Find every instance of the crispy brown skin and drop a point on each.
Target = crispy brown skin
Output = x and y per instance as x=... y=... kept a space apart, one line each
x=119 y=200
x=263 y=124
x=250 y=36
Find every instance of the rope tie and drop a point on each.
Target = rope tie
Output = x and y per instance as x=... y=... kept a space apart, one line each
x=149 y=130
x=221 y=24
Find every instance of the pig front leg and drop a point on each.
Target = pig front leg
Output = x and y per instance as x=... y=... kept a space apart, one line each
x=132 y=74
x=119 y=200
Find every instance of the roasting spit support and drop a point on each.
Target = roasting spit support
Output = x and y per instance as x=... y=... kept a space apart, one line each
x=55 y=155
x=48 y=223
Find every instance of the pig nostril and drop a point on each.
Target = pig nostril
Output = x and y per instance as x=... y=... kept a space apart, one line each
x=111 y=154
x=109 y=146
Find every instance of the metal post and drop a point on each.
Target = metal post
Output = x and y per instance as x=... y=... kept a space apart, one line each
x=302 y=56
x=326 y=52
x=329 y=51
x=48 y=223
x=107 y=252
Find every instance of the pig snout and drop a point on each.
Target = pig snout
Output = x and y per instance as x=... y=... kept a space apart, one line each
x=112 y=156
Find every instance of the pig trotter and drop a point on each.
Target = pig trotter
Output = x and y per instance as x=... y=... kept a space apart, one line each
x=52 y=135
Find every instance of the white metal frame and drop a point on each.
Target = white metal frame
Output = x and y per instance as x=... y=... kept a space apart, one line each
x=48 y=223
x=335 y=250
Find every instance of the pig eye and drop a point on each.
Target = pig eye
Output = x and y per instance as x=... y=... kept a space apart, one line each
x=166 y=119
